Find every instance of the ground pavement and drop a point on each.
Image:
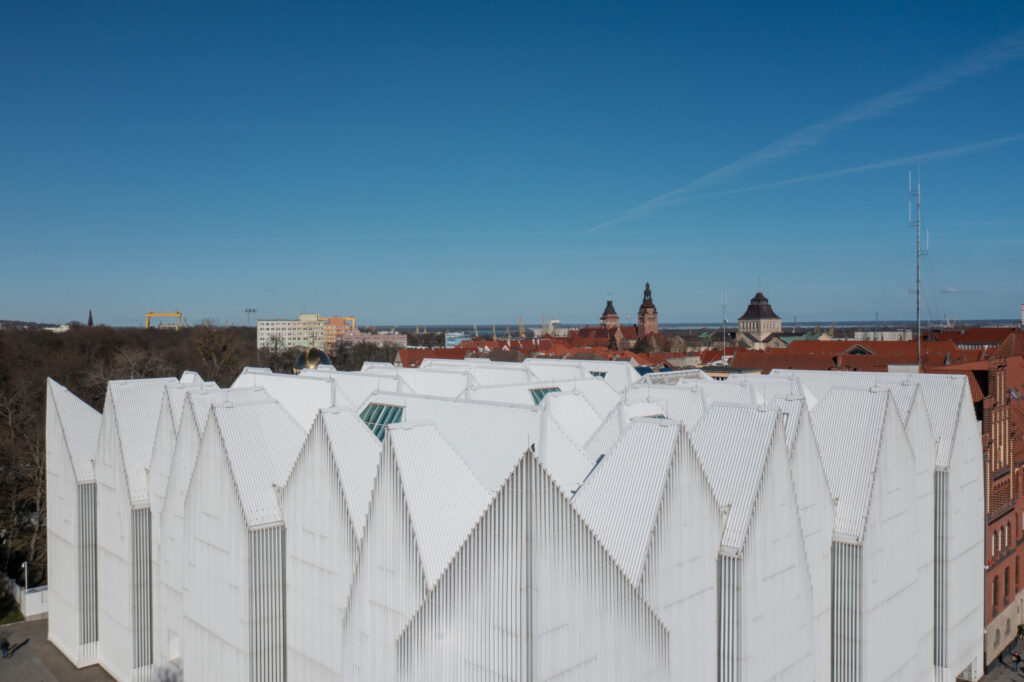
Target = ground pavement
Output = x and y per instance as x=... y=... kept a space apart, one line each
x=36 y=660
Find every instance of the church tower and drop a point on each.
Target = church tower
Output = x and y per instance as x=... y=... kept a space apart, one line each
x=647 y=318
x=610 y=318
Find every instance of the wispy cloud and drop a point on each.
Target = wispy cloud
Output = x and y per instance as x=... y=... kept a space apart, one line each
x=987 y=58
x=955 y=290
x=936 y=155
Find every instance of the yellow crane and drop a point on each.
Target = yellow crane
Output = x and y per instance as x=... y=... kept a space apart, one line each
x=177 y=324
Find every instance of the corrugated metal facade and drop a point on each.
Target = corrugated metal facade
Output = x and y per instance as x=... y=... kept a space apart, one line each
x=532 y=596
x=88 y=629
x=616 y=548
x=267 y=650
x=846 y=613
x=72 y=432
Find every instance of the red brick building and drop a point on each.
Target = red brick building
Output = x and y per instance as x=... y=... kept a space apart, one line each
x=611 y=334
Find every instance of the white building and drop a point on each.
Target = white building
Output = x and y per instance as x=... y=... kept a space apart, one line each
x=123 y=526
x=305 y=332
x=536 y=520
x=234 y=538
x=72 y=432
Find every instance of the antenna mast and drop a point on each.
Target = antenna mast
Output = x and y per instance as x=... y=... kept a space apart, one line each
x=723 y=327
x=915 y=222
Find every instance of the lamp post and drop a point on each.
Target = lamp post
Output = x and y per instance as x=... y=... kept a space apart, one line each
x=24 y=595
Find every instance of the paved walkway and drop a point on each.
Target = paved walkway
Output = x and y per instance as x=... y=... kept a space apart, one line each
x=36 y=660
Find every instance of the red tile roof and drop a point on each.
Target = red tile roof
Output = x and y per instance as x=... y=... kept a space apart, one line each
x=989 y=336
x=1012 y=345
x=766 y=362
x=412 y=357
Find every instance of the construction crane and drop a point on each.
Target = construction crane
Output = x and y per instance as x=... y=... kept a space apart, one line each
x=494 y=332
x=178 y=324
x=522 y=329
x=476 y=332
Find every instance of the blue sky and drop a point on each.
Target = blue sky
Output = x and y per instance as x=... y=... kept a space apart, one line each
x=441 y=163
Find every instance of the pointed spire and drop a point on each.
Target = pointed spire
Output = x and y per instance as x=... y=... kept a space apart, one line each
x=90 y=317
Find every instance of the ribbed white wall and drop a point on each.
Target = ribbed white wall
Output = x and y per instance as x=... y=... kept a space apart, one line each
x=216 y=581
x=817 y=514
x=113 y=552
x=322 y=548
x=847 y=613
x=389 y=584
x=890 y=592
x=62 y=544
x=168 y=623
x=533 y=595
x=775 y=599
x=679 y=579
x=965 y=549
x=919 y=434
x=159 y=473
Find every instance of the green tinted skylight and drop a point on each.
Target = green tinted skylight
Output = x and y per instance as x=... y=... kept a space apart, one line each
x=539 y=393
x=377 y=417
x=599 y=375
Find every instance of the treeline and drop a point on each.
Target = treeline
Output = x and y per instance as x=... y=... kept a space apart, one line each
x=84 y=359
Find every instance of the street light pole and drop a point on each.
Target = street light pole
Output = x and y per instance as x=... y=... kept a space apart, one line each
x=24 y=595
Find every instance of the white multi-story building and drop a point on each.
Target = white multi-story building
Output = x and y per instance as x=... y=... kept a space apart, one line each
x=550 y=519
x=305 y=332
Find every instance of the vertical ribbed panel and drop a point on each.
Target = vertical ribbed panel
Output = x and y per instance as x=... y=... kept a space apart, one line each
x=142 y=589
x=728 y=619
x=941 y=558
x=532 y=595
x=266 y=605
x=846 y=612
x=88 y=630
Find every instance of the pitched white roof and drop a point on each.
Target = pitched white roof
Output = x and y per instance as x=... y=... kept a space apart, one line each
x=489 y=437
x=620 y=375
x=356 y=454
x=261 y=441
x=136 y=410
x=176 y=394
x=675 y=377
x=849 y=424
x=190 y=377
x=80 y=426
x=771 y=387
x=733 y=443
x=561 y=456
x=685 y=403
x=620 y=499
x=351 y=389
x=443 y=498
x=943 y=397
x=302 y=395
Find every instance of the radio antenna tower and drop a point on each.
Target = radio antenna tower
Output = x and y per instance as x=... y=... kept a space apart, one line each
x=914 y=220
x=723 y=327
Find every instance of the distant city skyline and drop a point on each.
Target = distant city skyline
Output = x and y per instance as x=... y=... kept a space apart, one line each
x=445 y=165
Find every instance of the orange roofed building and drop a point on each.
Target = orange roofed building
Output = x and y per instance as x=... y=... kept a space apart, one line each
x=997 y=388
x=610 y=334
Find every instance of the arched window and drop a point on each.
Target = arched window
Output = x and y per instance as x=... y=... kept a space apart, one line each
x=995 y=591
x=1006 y=582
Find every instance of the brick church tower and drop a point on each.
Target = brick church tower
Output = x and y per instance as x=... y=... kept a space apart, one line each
x=647 y=318
x=610 y=318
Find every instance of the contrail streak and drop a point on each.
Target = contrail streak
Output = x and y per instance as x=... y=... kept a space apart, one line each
x=899 y=161
x=982 y=60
